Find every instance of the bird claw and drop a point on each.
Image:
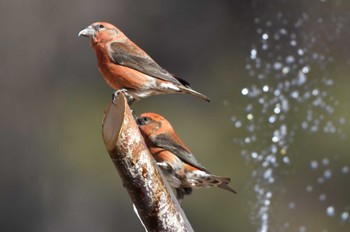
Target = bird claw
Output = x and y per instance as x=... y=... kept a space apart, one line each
x=129 y=98
x=181 y=192
x=163 y=164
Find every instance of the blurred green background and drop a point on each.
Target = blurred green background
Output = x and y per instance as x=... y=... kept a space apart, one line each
x=56 y=174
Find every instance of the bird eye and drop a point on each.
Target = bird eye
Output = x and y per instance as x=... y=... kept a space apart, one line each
x=143 y=121
x=101 y=26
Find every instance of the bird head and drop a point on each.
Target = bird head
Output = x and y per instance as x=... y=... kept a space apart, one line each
x=150 y=123
x=101 y=31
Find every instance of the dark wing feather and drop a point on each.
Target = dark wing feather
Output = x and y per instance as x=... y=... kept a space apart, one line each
x=182 y=81
x=120 y=55
x=165 y=142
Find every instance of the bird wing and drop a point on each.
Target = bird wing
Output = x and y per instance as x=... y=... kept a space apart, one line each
x=121 y=54
x=165 y=142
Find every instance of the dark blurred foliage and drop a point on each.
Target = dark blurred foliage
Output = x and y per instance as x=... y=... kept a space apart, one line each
x=55 y=172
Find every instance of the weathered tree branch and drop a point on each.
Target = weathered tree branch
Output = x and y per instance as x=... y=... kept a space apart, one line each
x=155 y=202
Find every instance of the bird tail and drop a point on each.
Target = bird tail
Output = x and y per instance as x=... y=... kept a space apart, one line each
x=205 y=179
x=188 y=90
x=224 y=184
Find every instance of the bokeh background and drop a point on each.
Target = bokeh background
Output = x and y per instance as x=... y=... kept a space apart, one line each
x=55 y=173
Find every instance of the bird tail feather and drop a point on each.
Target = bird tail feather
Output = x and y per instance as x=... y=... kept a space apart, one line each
x=188 y=90
x=223 y=183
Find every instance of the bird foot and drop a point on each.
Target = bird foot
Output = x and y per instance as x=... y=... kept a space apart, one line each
x=164 y=165
x=181 y=192
x=129 y=98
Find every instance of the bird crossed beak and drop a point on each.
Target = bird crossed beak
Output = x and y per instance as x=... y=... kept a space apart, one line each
x=87 y=32
x=137 y=120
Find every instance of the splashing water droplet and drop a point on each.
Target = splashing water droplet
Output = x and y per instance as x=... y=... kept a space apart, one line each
x=315 y=92
x=294 y=94
x=320 y=180
x=250 y=116
x=265 y=88
x=302 y=229
x=314 y=164
x=291 y=81
x=277 y=66
x=238 y=124
x=344 y=216
x=265 y=36
x=327 y=174
x=300 y=52
x=245 y=91
x=301 y=78
x=309 y=188
x=254 y=155
x=268 y=173
x=330 y=211
x=283 y=31
x=325 y=162
x=285 y=70
x=291 y=205
x=286 y=160
x=342 y=120
x=345 y=169
x=269 y=194
x=277 y=109
x=253 y=54
x=290 y=59
x=283 y=151
x=275 y=139
x=306 y=69
x=272 y=119
x=323 y=197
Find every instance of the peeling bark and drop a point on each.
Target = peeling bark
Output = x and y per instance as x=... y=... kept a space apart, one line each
x=155 y=202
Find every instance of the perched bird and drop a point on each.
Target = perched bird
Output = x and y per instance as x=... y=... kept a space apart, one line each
x=126 y=67
x=180 y=167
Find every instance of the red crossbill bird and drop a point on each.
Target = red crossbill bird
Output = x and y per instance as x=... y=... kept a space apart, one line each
x=180 y=167
x=126 y=67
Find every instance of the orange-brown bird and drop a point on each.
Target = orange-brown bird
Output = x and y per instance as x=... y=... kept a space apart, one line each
x=180 y=167
x=126 y=67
